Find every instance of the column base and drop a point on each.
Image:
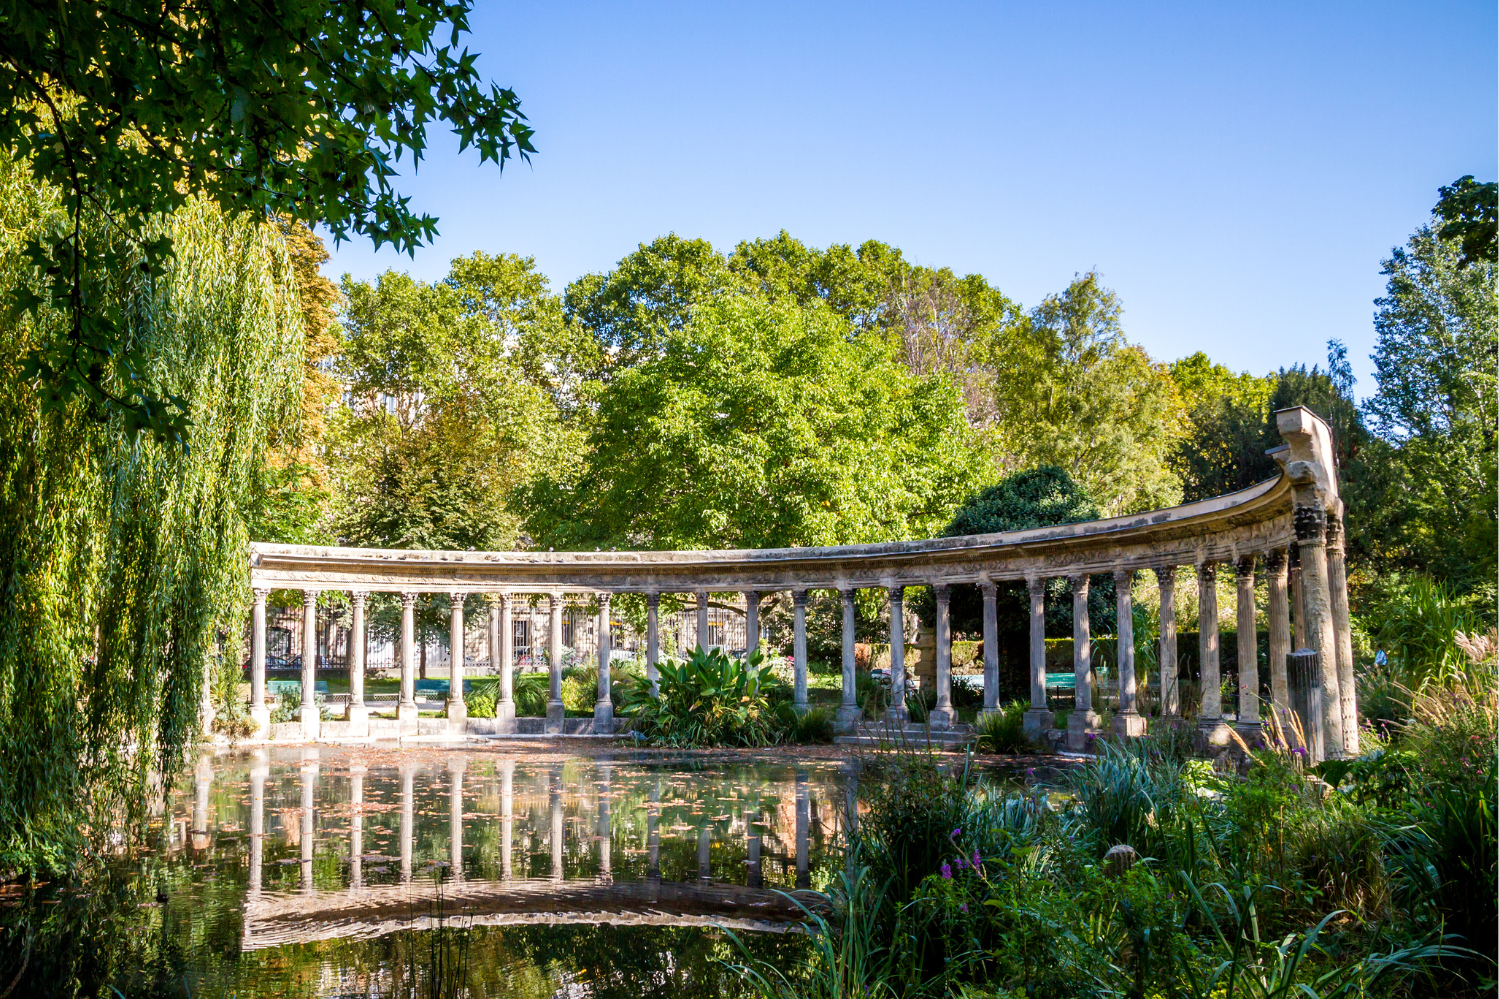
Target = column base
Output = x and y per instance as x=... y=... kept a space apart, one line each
x=406 y=715
x=260 y=721
x=941 y=718
x=1083 y=730
x=801 y=707
x=556 y=712
x=846 y=719
x=504 y=717
x=359 y=713
x=1252 y=732
x=312 y=721
x=1212 y=733
x=1036 y=721
x=897 y=715
x=603 y=718
x=1129 y=725
x=457 y=710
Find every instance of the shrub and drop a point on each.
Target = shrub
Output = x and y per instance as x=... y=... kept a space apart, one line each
x=580 y=688
x=1416 y=622
x=1003 y=731
x=811 y=727
x=708 y=699
x=481 y=701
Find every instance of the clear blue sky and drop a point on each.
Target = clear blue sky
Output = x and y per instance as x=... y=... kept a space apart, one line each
x=1235 y=171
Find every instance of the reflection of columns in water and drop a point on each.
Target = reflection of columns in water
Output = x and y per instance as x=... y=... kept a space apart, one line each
x=606 y=832
x=752 y=834
x=507 y=815
x=556 y=805
x=309 y=790
x=408 y=773
x=456 y=766
x=356 y=825
x=803 y=808
x=258 y=773
x=202 y=781
x=653 y=831
x=704 y=844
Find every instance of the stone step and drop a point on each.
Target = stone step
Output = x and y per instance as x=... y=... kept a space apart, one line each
x=883 y=733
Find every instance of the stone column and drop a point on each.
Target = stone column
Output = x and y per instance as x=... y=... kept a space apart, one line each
x=502 y=651
x=1128 y=723
x=702 y=620
x=309 y=819
x=1279 y=619
x=603 y=708
x=1039 y=718
x=1084 y=724
x=406 y=707
x=312 y=718
x=653 y=641
x=507 y=817
x=1170 y=686
x=847 y=719
x=359 y=712
x=751 y=621
x=1210 y=714
x=799 y=649
x=1337 y=590
x=457 y=709
x=1311 y=540
x=408 y=814
x=1249 y=651
x=989 y=592
x=555 y=711
x=943 y=716
x=356 y=824
x=896 y=714
x=260 y=715
x=456 y=766
x=1298 y=601
x=259 y=771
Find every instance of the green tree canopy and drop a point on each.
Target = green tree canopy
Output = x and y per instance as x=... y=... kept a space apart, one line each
x=1470 y=215
x=761 y=424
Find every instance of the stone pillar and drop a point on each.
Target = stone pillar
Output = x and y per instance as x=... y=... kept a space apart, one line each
x=1278 y=613
x=989 y=594
x=312 y=718
x=1249 y=651
x=896 y=714
x=356 y=824
x=803 y=820
x=259 y=771
x=260 y=715
x=799 y=649
x=1084 y=724
x=1128 y=723
x=702 y=620
x=653 y=641
x=751 y=621
x=1210 y=713
x=556 y=713
x=1305 y=703
x=849 y=712
x=406 y=707
x=1311 y=540
x=1337 y=591
x=1298 y=600
x=359 y=712
x=457 y=709
x=1171 y=705
x=502 y=654
x=456 y=766
x=1039 y=718
x=408 y=814
x=943 y=716
x=507 y=817
x=309 y=818
x=603 y=708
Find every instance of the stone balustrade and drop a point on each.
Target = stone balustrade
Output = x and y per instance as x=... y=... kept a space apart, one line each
x=1293 y=519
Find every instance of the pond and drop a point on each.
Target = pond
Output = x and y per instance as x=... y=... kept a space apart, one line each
x=340 y=872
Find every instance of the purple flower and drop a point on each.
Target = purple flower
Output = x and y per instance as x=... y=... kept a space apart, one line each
x=976 y=858
x=963 y=907
x=955 y=832
x=946 y=871
x=1299 y=751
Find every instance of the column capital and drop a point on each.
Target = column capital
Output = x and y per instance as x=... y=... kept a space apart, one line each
x=1207 y=572
x=1311 y=524
x=1334 y=534
x=799 y=597
x=603 y=597
x=309 y=598
x=652 y=598
x=1035 y=584
x=1124 y=577
x=1275 y=562
x=1165 y=575
x=1244 y=565
x=848 y=594
x=455 y=600
x=897 y=593
x=554 y=601
x=1293 y=555
x=1080 y=582
x=358 y=597
x=941 y=590
x=408 y=600
x=260 y=593
x=990 y=586
x=498 y=598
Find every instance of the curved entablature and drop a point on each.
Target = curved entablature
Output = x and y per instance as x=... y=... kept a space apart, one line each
x=1218 y=529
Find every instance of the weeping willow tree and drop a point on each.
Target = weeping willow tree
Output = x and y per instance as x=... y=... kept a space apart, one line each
x=123 y=561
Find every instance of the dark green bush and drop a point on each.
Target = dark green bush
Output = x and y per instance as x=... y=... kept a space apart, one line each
x=1003 y=731
x=708 y=699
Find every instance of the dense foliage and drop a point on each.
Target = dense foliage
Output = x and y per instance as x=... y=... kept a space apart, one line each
x=708 y=699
